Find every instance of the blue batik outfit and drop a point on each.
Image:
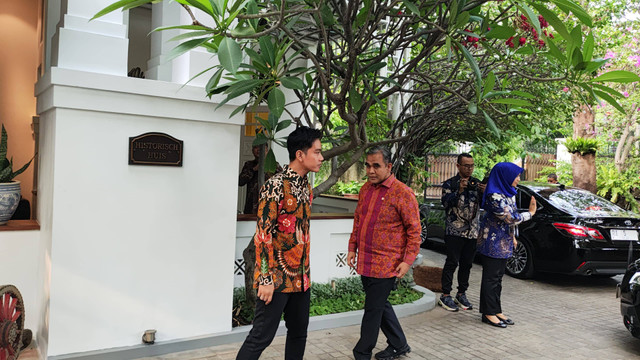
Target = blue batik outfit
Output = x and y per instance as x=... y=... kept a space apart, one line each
x=497 y=231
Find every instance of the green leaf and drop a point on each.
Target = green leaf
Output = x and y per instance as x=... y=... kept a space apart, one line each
x=184 y=47
x=576 y=58
x=412 y=7
x=523 y=94
x=3 y=145
x=203 y=5
x=328 y=18
x=570 y=7
x=595 y=65
x=238 y=109
x=474 y=66
x=291 y=82
x=619 y=76
x=525 y=50
x=229 y=54
x=492 y=94
x=576 y=36
x=473 y=108
x=608 y=89
x=118 y=5
x=275 y=102
x=260 y=139
x=191 y=35
x=283 y=125
x=521 y=126
x=510 y=101
x=555 y=52
x=553 y=20
x=491 y=124
x=587 y=51
x=500 y=32
x=462 y=19
x=489 y=83
x=355 y=98
x=608 y=98
x=181 y=27
x=270 y=164
x=374 y=67
x=363 y=14
x=267 y=51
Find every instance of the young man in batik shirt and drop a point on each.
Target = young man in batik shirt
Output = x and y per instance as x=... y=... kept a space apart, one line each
x=461 y=197
x=386 y=240
x=282 y=250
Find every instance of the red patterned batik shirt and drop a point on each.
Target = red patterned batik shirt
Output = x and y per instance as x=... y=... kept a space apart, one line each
x=386 y=228
x=282 y=233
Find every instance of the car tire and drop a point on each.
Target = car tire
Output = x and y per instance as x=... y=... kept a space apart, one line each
x=520 y=264
x=423 y=232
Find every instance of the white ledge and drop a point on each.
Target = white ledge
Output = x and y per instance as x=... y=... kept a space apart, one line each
x=79 y=90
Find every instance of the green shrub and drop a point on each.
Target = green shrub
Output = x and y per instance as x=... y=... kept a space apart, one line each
x=582 y=145
x=616 y=186
x=340 y=188
x=341 y=295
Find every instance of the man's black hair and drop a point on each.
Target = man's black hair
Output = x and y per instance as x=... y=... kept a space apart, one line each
x=467 y=155
x=302 y=138
x=552 y=176
x=386 y=154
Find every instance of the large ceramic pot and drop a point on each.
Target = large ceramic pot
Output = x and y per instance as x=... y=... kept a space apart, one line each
x=9 y=199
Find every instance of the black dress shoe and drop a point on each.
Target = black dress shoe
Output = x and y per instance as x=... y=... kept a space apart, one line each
x=507 y=321
x=499 y=324
x=390 y=353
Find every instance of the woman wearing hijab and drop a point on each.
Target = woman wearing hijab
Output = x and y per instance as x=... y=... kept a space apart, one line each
x=497 y=237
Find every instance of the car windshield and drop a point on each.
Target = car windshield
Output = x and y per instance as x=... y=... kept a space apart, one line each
x=580 y=202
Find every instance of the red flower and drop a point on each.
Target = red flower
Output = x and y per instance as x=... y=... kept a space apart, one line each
x=287 y=223
x=541 y=43
x=509 y=42
x=522 y=40
x=524 y=18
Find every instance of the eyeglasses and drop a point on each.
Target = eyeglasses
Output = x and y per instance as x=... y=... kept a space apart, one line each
x=468 y=166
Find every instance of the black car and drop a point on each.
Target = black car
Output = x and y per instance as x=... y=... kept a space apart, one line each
x=629 y=293
x=573 y=232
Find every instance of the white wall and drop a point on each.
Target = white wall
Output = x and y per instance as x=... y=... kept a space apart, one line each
x=136 y=247
x=19 y=267
x=329 y=245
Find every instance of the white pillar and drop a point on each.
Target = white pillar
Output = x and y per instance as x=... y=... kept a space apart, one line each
x=162 y=14
x=98 y=46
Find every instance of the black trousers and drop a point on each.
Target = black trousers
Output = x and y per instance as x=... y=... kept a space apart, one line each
x=491 y=286
x=459 y=251
x=378 y=315
x=265 y=324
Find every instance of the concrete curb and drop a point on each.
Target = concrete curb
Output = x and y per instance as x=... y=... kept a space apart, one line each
x=426 y=303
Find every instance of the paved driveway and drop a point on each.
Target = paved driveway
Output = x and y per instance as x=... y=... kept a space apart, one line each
x=557 y=317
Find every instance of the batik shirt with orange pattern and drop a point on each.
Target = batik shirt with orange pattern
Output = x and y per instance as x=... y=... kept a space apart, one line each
x=386 y=228
x=282 y=233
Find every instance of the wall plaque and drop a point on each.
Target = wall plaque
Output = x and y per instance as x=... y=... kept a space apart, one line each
x=155 y=149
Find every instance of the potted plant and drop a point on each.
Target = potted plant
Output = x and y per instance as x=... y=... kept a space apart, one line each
x=9 y=188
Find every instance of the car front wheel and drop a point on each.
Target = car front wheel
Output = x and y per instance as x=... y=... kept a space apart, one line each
x=520 y=264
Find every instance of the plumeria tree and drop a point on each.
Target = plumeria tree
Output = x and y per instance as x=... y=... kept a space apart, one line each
x=434 y=67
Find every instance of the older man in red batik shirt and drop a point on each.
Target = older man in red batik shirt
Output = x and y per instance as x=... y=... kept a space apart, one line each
x=386 y=238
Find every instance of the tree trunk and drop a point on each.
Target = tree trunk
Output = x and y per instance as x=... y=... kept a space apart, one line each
x=584 y=167
x=584 y=171
x=249 y=256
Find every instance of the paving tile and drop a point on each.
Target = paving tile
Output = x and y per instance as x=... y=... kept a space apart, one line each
x=557 y=317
